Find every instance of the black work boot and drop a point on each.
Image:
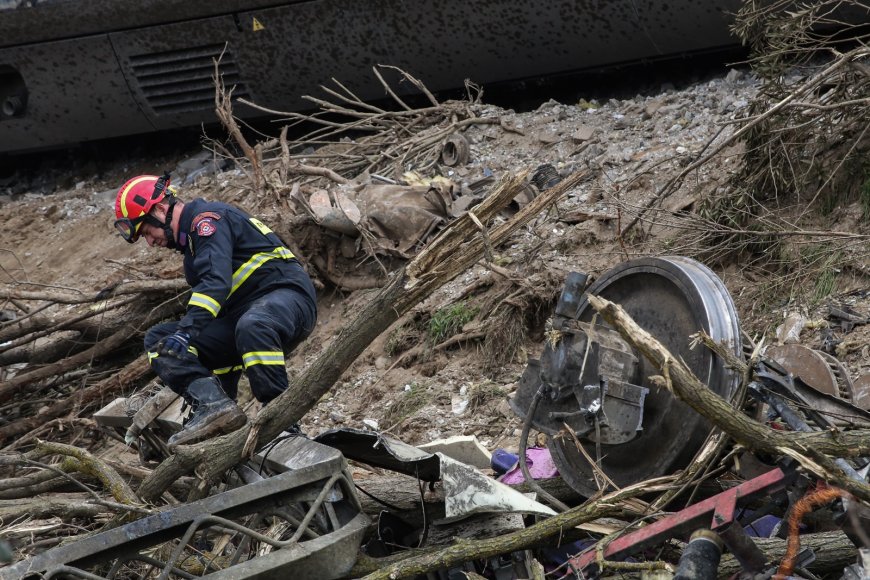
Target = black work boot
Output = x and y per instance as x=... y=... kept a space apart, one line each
x=213 y=413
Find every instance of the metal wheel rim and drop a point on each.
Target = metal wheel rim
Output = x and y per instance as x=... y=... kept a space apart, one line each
x=673 y=432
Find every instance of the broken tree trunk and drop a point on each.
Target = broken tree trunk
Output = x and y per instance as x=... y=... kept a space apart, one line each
x=834 y=551
x=137 y=287
x=813 y=450
x=457 y=247
x=65 y=508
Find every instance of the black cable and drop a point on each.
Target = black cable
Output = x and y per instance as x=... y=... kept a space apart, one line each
x=527 y=423
x=377 y=499
x=268 y=449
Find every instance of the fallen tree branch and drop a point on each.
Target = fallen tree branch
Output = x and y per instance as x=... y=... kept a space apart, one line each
x=105 y=346
x=137 y=287
x=64 y=508
x=40 y=327
x=223 y=108
x=88 y=464
x=834 y=551
x=673 y=184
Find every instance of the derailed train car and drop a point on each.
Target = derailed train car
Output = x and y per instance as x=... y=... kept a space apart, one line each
x=78 y=70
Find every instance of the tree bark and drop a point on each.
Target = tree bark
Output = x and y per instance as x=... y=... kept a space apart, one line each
x=813 y=450
x=454 y=250
x=105 y=346
x=137 y=287
x=88 y=464
x=39 y=326
x=834 y=551
x=49 y=507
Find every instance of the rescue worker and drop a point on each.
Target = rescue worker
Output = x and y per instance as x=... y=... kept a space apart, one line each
x=252 y=303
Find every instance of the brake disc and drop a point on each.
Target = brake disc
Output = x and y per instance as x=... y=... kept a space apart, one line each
x=671 y=298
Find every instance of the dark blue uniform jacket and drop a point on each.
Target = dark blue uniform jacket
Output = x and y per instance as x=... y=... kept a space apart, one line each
x=230 y=259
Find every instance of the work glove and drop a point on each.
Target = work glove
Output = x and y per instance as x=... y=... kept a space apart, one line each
x=174 y=345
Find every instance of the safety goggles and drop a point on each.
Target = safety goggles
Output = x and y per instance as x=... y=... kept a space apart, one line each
x=129 y=228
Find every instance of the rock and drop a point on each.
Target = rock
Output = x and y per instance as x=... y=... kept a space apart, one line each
x=652 y=108
x=734 y=77
x=583 y=133
x=193 y=163
x=549 y=105
x=458 y=405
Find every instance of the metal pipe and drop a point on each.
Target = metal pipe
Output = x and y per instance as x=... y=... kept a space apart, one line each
x=750 y=556
x=700 y=558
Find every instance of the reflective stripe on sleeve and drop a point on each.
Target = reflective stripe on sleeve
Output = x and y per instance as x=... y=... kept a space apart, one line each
x=204 y=302
x=263 y=358
x=152 y=356
x=226 y=370
x=245 y=270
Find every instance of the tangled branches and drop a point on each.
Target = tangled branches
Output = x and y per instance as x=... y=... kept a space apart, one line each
x=810 y=154
x=353 y=137
x=804 y=176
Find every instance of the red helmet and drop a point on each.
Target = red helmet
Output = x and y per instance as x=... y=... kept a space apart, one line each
x=135 y=199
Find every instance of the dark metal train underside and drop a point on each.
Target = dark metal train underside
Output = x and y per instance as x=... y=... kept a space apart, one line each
x=74 y=70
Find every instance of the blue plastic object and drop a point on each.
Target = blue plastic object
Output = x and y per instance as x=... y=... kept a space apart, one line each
x=503 y=461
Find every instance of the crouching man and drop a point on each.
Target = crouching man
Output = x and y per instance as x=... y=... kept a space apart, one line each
x=252 y=303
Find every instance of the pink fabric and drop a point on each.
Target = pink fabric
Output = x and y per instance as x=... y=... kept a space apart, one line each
x=540 y=464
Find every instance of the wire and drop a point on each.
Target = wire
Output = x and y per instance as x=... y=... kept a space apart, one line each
x=527 y=423
x=377 y=499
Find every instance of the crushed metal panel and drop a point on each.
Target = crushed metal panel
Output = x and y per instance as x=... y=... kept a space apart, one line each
x=315 y=502
x=464 y=448
x=861 y=392
x=806 y=364
x=379 y=450
x=294 y=452
x=467 y=492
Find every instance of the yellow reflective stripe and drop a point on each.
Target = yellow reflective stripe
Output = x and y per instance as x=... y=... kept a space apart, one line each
x=205 y=302
x=263 y=358
x=190 y=349
x=226 y=370
x=245 y=270
x=127 y=189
